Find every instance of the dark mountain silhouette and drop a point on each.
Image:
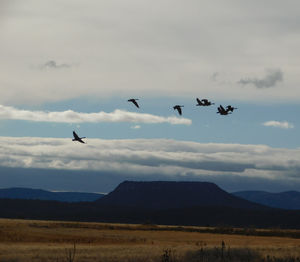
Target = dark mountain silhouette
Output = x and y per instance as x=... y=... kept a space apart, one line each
x=28 y=193
x=285 y=200
x=169 y=194
x=169 y=203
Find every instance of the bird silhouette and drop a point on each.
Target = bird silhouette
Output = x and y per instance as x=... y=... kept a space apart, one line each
x=178 y=108
x=222 y=111
x=133 y=100
x=204 y=102
x=77 y=138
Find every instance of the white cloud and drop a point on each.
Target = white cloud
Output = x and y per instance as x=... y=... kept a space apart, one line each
x=283 y=124
x=70 y=116
x=142 y=157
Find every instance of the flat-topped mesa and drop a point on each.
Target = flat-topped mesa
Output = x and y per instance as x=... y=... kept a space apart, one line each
x=170 y=194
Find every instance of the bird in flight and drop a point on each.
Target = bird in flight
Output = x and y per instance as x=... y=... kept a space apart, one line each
x=77 y=138
x=134 y=102
x=223 y=111
x=178 y=108
x=204 y=102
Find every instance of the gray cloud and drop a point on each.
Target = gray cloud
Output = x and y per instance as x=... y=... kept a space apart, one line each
x=105 y=181
x=70 y=116
x=51 y=64
x=270 y=80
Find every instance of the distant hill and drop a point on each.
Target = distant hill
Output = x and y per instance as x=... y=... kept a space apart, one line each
x=285 y=200
x=28 y=193
x=169 y=194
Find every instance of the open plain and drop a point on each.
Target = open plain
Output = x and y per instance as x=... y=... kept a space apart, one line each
x=30 y=240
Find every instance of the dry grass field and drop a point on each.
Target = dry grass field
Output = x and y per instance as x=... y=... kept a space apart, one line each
x=35 y=241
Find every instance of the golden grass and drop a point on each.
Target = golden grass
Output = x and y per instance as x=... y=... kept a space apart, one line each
x=29 y=240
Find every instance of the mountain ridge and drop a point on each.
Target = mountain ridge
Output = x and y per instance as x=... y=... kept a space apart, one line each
x=40 y=194
x=289 y=200
x=284 y=200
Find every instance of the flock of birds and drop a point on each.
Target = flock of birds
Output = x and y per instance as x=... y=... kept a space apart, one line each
x=203 y=102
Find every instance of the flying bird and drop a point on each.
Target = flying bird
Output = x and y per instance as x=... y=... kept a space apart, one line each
x=222 y=111
x=204 y=102
x=77 y=138
x=134 y=102
x=178 y=108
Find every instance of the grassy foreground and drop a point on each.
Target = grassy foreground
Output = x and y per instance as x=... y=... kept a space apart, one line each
x=35 y=241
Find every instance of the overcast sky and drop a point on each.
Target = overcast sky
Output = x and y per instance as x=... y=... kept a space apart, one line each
x=71 y=65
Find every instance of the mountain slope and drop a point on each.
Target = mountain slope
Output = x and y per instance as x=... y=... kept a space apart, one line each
x=167 y=195
x=285 y=200
x=28 y=193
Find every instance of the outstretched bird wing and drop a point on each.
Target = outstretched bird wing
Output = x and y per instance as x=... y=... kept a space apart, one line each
x=134 y=102
x=178 y=108
x=75 y=135
x=222 y=108
x=81 y=141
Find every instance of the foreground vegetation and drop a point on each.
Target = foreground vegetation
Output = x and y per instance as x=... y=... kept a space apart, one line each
x=36 y=241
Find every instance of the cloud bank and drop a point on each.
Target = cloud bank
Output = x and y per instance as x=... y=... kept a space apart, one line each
x=148 y=157
x=148 y=48
x=284 y=124
x=70 y=116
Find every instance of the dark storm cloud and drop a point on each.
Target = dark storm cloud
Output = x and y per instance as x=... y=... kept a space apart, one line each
x=270 y=80
x=105 y=182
